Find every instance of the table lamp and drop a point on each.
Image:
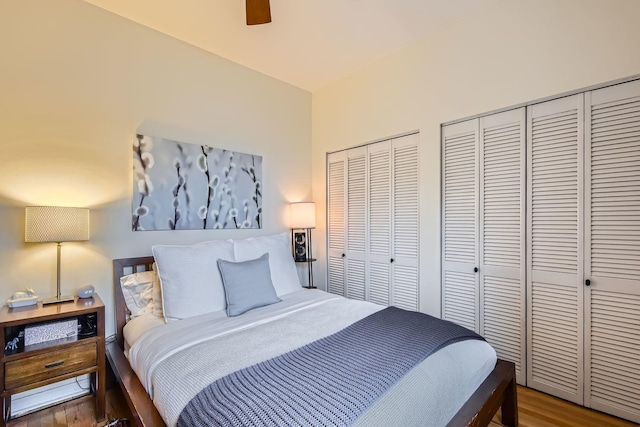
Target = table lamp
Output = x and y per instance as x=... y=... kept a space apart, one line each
x=56 y=224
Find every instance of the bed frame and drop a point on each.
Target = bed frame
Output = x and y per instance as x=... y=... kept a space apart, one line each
x=497 y=391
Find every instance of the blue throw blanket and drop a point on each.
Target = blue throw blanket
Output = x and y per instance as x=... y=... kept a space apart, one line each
x=329 y=382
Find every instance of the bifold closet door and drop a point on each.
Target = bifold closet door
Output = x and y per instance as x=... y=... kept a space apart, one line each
x=484 y=229
x=393 y=238
x=555 y=241
x=405 y=239
x=357 y=201
x=579 y=251
x=379 y=224
x=336 y=224
x=612 y=250
x=373 y=237
x=502 y=247
x=460 y=260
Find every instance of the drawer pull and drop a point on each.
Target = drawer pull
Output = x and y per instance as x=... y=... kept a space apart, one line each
x=54 y=364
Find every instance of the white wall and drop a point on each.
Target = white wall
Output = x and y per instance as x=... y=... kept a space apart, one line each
x=76 y=84
x=512 y=52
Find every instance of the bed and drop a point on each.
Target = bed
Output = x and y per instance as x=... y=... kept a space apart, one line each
x=497 y=390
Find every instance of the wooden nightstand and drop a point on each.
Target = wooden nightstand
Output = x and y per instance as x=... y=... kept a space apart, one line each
x=52 y=361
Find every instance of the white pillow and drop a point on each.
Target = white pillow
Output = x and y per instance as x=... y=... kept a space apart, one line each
x=189 y=278
x=137 y=289
x=283 y=270
x=157 y=294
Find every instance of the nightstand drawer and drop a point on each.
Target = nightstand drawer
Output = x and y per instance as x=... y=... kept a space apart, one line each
x=33 y=369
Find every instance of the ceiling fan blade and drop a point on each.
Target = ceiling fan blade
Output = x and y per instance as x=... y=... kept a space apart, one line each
x=258 y=12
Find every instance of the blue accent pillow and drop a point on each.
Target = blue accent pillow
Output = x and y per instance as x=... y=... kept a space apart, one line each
x=247 y=284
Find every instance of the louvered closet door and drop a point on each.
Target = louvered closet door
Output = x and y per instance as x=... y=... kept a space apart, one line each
x=336 y=214
x=460 y=298
x=502 y=236
x=405 y=234
x=612 y=250
x=356 y=223
x=379 y=236
x=554 y=223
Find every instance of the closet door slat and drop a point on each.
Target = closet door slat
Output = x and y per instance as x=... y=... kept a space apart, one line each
x=554 y=226
x=379 y=212
x=405 y=235
x=502 y=235
x=356 y=223
x=612 y=250
x=460 y=223
x=336 y=212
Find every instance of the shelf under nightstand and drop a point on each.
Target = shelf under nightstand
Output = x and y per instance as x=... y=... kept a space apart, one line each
x=308 y=261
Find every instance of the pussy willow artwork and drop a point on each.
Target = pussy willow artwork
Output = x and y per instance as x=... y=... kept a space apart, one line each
x=182 y=186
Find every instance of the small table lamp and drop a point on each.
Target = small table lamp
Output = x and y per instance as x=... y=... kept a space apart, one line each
x=303 y=217
x=56 y=224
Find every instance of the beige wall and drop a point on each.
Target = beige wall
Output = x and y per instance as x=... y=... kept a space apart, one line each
x=512 y=52
x=76 y=83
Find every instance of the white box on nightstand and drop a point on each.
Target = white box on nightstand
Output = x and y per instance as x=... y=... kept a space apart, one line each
x=43 y=332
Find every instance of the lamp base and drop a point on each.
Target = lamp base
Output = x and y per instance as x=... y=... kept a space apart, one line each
x=56 y=300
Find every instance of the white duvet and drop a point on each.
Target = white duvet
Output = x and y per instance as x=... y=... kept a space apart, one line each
x=175 y=361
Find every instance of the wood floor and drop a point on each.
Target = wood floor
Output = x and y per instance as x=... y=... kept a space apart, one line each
x=535 y=410
x=75 y=413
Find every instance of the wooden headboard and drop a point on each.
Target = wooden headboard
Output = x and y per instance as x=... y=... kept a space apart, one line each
x=122 y=267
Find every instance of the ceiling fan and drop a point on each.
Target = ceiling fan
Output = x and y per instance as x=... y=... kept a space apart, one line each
x=258 y=12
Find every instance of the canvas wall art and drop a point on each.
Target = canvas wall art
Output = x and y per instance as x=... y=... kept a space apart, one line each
x=182 y=186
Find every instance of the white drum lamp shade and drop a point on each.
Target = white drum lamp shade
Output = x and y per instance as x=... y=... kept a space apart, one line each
x=302 y=215
x=56 y=224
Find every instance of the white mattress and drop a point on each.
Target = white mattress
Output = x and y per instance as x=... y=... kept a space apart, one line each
x=175 y=361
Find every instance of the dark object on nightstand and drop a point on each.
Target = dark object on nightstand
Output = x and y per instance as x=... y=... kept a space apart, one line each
x=28 y=367
x=302 y=220
x=117 y=422
x=299 y=246
x=87 y=325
